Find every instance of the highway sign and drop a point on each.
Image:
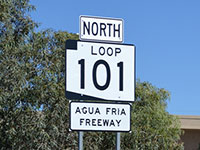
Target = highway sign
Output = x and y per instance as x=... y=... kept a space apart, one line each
x=100 y=71
x=101 y=29
x=86 y=116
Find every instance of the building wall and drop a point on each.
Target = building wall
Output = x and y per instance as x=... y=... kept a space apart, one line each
x=191 y=139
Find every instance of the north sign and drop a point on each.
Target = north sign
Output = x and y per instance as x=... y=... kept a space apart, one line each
x=101 y=29
x=86 y=116
x=100 y=71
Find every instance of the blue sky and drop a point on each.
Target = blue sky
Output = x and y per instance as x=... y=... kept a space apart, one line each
x=166 y=35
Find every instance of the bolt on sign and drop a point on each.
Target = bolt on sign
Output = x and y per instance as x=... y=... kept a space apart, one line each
x=85 y=116
x=101 y=29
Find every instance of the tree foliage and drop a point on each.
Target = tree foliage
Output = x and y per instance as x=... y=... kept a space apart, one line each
x=33 y=108
x=152 y=126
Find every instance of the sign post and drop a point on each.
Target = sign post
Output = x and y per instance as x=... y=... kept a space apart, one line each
x=118 y=141
x=80 y=140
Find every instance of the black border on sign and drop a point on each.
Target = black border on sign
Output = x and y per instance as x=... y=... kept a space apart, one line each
x=107 y=18
x=98 y=130
x=72 y=45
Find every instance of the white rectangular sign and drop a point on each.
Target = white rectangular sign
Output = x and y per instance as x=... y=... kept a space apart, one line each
x=100 y=71
x=100 y=117
x=101 y=29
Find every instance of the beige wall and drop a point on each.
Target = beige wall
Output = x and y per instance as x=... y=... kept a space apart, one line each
x=191 y=139
x=191 y=126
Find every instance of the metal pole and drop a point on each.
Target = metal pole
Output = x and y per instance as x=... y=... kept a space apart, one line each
x=118 y=141
x=80 y=140
x=80 y=136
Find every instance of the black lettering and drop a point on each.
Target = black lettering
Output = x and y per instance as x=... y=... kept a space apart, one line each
x=121 y=75
x=93 y=32
x=87 y=122
x=91 y=110
x=105 y=122
x=78 y=110
x=84 y=110
x=92 y=51
x=97 y=111
x=109 y=28
x=111 y=50
x=118 y=122
x=107 y=110
x=94 y=75
x=81 y=121
x=87 y=27
x=112 y=123
x=82 y=77
x=113 y=111
x=102 y=28
x=117 y=50
x=99 y=122
x=116 y=30
x=101 y=50
x=93 y=122
x=123 y=112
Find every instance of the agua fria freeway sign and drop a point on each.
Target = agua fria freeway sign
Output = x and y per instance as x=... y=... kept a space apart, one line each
x=100 y=71
x=85 y=116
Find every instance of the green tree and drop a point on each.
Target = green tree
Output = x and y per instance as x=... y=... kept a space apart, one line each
x=33 y=108
x=152 y=126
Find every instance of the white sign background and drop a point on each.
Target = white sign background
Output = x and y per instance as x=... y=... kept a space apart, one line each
x=98 y=37
x=78 y=118
x=73 y=71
